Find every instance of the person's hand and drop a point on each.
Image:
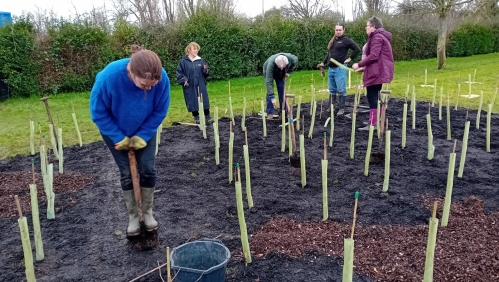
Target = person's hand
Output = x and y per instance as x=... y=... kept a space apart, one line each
x=273 y=102
x=347 y=61
x=137 y=143
x=321 y=65
x=287 y=75
x=186 y=83
x=205 y=66
x=123 y=144
x=359 y=70
x=355 y=66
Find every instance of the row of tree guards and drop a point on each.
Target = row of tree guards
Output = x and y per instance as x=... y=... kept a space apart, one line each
x=384 y=136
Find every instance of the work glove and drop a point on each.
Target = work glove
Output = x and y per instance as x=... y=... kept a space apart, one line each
x=123 y=144
x=137 y=143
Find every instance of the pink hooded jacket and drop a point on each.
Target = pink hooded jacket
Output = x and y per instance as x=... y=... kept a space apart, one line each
x=378 y=63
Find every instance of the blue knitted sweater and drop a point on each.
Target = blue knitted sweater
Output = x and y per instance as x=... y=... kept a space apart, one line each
x=119 y=108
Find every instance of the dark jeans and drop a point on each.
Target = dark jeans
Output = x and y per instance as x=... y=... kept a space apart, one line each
x=372 y=95
x=145 y=163
x=280 y=92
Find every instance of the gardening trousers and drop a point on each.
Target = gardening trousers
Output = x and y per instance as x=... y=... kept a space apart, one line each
x=280 y=93
x=337 y=81
x=145 y=163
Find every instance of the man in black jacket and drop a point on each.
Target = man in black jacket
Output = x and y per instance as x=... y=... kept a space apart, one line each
x=338 y=49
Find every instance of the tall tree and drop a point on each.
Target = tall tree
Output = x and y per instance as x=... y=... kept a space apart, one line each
x=442 y=8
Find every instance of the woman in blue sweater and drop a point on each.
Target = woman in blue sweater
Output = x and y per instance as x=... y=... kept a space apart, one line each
x=128 y=102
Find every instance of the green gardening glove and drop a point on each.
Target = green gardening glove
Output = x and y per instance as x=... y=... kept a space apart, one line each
x=123 y=144
x=137 y=143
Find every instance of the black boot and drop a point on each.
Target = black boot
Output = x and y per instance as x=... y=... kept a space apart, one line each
x=342 y=105
x=332 y=101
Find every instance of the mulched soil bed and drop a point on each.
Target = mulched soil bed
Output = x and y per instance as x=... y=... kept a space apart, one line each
x=17 y=183
x=396 y=252
x=86 y=241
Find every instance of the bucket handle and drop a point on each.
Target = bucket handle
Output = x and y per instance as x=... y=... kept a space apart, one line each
x=211 y=240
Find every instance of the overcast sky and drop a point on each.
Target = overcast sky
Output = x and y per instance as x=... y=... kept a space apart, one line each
x=66 y=8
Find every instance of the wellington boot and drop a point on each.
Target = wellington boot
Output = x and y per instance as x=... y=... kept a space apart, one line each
x=365 y=128
x=133 y=214
x=147 y=202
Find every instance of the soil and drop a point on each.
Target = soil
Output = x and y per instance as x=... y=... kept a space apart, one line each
x=289 y=241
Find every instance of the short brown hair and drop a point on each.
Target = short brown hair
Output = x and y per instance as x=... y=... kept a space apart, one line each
x=376 y=22
x=146 y=64
x=191 y=45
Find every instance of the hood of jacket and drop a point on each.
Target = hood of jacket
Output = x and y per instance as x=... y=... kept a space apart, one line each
x=383 y=32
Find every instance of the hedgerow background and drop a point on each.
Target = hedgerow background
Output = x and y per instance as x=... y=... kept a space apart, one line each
x=66 y=54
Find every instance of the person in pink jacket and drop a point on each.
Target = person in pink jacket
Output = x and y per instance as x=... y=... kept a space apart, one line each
x=378 y=64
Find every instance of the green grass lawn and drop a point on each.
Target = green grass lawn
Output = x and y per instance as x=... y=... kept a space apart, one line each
x=15 y=114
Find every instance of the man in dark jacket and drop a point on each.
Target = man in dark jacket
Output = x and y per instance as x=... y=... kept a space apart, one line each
x=277 y=67
x=378 y=64
x=338 y=49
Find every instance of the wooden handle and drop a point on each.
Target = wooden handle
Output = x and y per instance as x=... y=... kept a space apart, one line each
x=135 y=176
x=18 y=206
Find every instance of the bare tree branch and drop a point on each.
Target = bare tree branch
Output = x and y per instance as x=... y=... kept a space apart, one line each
x=306 y=8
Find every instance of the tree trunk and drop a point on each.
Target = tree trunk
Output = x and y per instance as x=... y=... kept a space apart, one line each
x=442 y=40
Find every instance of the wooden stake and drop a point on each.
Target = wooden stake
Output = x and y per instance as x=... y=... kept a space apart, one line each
x=303 y=124
x=435 y=205
x=355 y=213
x=238 y=173
x=325 y=146
x=18 y=206
x=455 y=143
x=168 y=270
x=33 y=170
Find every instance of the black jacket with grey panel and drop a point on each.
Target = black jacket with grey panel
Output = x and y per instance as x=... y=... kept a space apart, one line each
x=339 y=51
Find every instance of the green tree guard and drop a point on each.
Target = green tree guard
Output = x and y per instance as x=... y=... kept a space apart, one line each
x=404 y=125
x=302 y=161
x=387 y=160
x=430 y=250
x=348 y=250
x=448 y=191
x=242 y=221
x=431 y=147
x=464 y=149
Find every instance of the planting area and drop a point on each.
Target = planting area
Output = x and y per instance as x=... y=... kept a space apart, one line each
x=288 y=239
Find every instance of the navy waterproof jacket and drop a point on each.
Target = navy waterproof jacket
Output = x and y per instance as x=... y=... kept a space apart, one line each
x=194 y=73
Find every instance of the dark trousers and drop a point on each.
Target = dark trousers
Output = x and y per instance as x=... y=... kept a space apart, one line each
x=145 y=163
x=372 y=95
x=206 y=113
x=280 y=93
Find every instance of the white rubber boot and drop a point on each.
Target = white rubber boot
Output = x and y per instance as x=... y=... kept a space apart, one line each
x=133 y=214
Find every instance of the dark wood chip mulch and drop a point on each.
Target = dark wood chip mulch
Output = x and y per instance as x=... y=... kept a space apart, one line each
x=17 y=183
x=467 y=248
